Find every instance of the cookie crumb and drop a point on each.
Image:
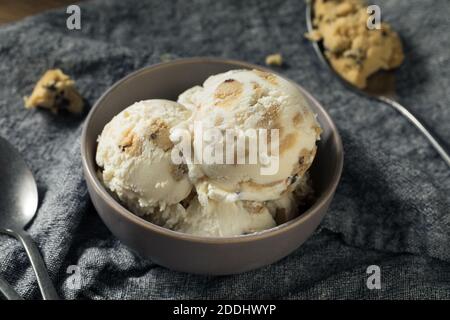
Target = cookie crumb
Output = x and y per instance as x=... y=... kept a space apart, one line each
x=227 y=92
x=274 y=60
x=269 y=77
x=130 y=143
x=269 y=117
x=159 y=134
x=166 y=57
x=55 y=91
x=313 y=36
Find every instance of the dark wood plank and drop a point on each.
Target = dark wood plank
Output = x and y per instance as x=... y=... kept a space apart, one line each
x=13 y=10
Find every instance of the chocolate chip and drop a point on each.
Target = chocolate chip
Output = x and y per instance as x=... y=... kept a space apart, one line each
x=50 y=87
x=293 y=179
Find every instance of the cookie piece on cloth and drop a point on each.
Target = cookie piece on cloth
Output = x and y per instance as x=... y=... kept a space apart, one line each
x=55 y=91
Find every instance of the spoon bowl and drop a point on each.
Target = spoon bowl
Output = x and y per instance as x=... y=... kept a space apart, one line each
x=18 y=204
x=380 y=86
x=382 y=83
x=18 y=196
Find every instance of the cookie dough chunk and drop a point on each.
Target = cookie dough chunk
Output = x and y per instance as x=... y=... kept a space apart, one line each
x=354 y=51
x=274 y=60
x=55 y=91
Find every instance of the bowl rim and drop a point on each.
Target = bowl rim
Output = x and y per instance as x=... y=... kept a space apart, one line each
x=100 y=190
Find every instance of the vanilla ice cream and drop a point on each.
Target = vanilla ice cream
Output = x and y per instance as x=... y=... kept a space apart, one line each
x=221 y=219
x=134 y=155
x=239 y=100
x=136 y=152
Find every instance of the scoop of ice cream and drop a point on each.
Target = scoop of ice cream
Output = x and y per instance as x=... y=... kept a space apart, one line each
x=206 y=217
x=191 y=98
x=134 y=154
x=168 y=218
x=239 y=100
x=222 y=219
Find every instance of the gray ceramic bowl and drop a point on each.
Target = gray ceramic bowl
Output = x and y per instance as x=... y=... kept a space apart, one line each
x=185 y=252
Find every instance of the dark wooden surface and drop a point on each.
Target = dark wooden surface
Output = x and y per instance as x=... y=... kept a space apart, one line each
x=13 y=10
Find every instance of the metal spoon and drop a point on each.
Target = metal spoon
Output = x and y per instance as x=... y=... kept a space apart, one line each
x=380 y=86
x=8 y=291
x=18 y=204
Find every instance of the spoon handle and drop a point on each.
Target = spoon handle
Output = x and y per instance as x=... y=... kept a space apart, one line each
x=45 y=284
x=8 y=291
x=427 y=133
